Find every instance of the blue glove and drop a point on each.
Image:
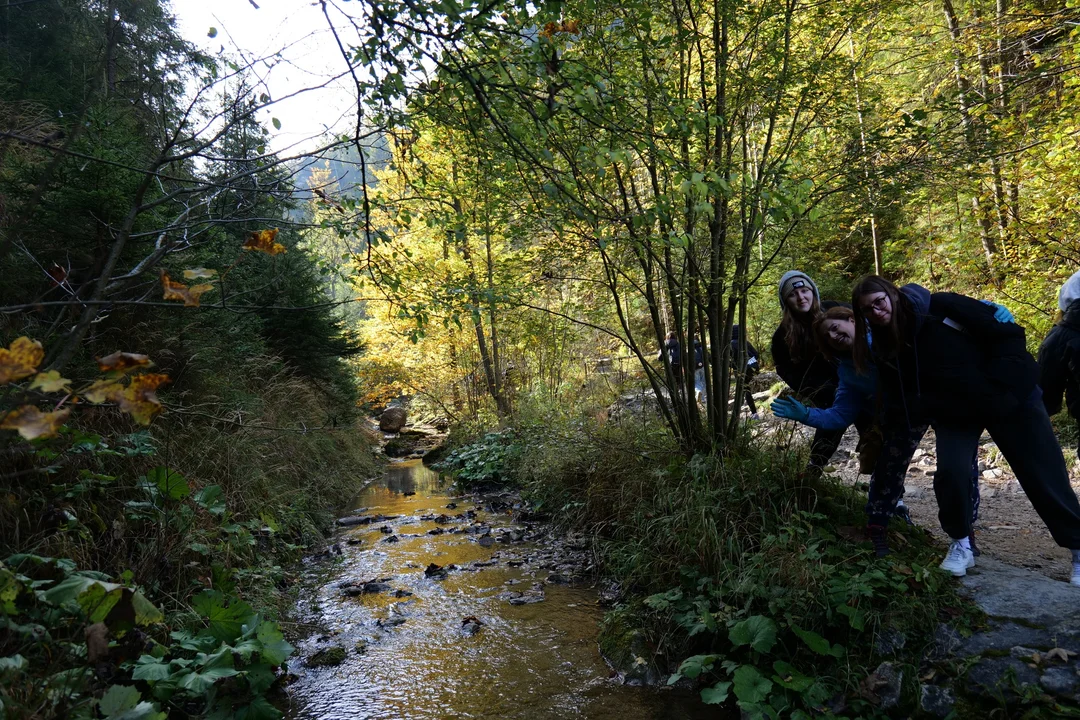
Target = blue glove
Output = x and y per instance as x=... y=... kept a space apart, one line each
x=1001 y=313
x=791 y=409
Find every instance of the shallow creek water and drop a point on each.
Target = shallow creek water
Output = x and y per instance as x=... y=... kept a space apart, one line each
x=537 y=660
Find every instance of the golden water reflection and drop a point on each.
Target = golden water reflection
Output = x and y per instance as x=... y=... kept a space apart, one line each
x=530 y=661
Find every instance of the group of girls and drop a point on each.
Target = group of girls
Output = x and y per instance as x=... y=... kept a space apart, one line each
x=902 y=360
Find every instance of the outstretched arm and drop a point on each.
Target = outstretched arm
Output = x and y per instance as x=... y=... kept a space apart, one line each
x=844 y=410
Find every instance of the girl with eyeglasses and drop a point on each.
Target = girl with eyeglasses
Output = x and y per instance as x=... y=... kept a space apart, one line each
x=856 y=395
x=943 y=360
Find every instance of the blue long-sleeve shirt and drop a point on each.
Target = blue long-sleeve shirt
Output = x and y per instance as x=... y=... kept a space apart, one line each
x=854 y=393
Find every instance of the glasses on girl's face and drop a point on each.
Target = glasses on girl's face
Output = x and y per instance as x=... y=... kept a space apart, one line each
x=879 y=304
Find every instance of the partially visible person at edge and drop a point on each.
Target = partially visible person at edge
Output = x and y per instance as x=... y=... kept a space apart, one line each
x=749 y=370
x=1059 y=354
x=835 y=333
x=943 y=360
x=799 y=362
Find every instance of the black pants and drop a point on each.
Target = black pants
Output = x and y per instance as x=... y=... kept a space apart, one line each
x=823 y=446
x=1027 y=441
x=748 y=375
x=887 y=482
x=825 y=442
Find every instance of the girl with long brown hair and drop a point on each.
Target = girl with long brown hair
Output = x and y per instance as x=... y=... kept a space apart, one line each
x=944 y=360
x=799 y=361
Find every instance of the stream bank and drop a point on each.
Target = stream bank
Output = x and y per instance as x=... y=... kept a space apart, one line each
x=438 y=605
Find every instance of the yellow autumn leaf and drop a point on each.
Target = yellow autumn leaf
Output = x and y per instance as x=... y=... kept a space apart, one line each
x=199 y=273
x=32 y=423
x=263 y=241
x=122 y=362
x=179 y=291
x=103 y=391
x=20 y=360
x=50 y=382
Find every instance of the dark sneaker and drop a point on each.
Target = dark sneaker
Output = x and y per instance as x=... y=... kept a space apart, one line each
x=879 y=537
x=902 y=513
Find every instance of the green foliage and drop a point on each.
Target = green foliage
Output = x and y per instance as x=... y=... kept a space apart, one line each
x=47 y=604
x=746 y=574
x=485 y=461
x=235 y=644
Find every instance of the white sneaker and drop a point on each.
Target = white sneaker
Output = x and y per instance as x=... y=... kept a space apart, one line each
x=1075 y=579
x=959 y=560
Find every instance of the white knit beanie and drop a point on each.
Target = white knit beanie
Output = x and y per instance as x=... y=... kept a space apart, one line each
x=1070 y=292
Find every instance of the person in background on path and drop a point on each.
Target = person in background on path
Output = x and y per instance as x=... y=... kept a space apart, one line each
x=943 y=359
x=799 y=362
x=749 y=370
x=856 y=397
x=1059 y=354
x=699 y=371
x=674 y=354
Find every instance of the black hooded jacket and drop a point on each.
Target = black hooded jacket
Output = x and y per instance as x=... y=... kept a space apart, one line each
x=813 y=379
x=1059 y=362
x=956 y=362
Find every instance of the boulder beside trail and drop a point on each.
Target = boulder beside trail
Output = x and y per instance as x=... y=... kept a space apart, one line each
x=392 y=419
x=1031 y=639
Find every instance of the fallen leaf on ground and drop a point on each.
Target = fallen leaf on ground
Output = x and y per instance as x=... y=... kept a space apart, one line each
x=122 y=362
x=1060 y=653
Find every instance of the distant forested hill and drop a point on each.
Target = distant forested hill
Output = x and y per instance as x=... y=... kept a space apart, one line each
x=344 y=164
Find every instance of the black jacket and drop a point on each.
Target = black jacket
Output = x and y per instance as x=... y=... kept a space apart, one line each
x=1058 y=364
x=813 y=379
x=752 y=355
x=956 y=362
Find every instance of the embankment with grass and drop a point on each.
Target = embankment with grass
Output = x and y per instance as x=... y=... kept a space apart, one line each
x=144 y=570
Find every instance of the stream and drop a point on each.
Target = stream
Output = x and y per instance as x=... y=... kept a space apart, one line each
x=449 y=643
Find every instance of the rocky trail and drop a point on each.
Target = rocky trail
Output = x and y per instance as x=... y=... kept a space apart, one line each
x=1008 y=528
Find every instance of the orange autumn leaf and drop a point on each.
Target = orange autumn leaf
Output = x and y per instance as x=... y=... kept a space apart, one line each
x=122 y=362
x=140 y=398
x=263 y=241
x=31 y=423
x=179 y=291
x=20 y=360
x=50 y=382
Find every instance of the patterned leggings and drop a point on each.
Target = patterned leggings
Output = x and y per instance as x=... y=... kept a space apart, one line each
x=887 y=482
